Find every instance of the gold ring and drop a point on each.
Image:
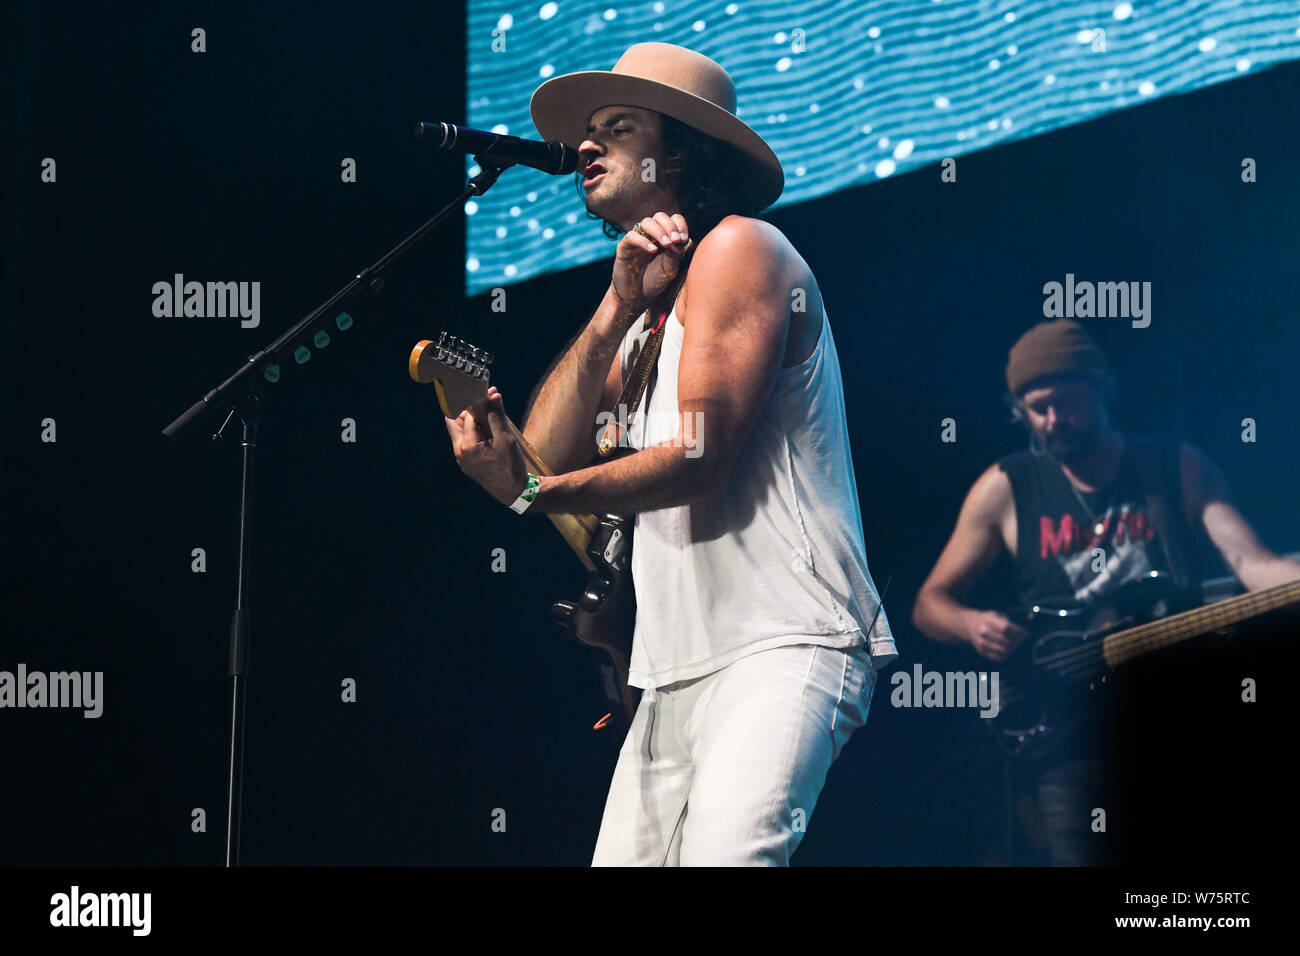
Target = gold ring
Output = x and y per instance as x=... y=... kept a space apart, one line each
x=637 y=228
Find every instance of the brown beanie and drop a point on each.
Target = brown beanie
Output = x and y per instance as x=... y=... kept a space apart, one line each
x=1059 y=347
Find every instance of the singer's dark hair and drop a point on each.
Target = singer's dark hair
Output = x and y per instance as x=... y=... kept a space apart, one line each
x=711 y=178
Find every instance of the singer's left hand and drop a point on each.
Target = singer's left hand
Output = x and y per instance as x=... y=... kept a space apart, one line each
x=490 y=455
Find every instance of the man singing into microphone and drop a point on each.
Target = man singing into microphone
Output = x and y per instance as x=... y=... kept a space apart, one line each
x=757 y=637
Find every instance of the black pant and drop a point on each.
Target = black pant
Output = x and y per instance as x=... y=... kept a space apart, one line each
x=1075 y=798
x=1067 y=799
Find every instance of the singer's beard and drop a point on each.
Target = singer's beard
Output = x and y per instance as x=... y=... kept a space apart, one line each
x=606 y=200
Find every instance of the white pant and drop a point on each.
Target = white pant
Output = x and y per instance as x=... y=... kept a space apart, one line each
x=724 y=770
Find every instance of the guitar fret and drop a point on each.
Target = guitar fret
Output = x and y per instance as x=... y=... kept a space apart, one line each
x=1130 y=643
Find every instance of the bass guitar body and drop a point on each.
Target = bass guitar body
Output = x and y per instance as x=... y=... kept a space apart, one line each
x=1059 y=675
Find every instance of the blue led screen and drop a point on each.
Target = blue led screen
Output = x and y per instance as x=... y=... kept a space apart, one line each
x=845 y=93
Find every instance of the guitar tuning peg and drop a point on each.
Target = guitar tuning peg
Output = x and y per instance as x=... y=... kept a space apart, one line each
x=487 y=358
x=442 y=339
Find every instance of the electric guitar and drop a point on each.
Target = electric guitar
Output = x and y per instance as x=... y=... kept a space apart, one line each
x=603 y=617
x=1059 y=673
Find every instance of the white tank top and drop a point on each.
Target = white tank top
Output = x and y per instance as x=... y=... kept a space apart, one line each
x=778 y=556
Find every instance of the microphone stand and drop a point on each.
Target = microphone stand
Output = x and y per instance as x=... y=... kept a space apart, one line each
x=241 y=394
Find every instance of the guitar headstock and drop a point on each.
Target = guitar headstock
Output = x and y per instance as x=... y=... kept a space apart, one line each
x=458 y=371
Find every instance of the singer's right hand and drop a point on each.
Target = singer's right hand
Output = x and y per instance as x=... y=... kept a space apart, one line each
x=644 y=265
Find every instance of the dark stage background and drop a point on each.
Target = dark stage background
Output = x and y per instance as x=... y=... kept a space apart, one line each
x=373 y=559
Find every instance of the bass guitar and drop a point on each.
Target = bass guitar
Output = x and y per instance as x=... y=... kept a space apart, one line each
x=1060 y=672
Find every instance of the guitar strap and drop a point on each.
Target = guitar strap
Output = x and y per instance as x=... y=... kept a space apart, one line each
x=1162 y=485
x=637 y=380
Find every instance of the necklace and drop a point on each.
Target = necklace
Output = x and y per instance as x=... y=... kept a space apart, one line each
x=1098 y=526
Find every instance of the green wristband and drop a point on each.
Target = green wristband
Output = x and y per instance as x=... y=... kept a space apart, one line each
x=527 y=495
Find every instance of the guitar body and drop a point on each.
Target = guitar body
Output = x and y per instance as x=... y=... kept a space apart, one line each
x=604 y=616
x=1059 y=675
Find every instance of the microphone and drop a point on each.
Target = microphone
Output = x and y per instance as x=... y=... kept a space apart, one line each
x=551 y=157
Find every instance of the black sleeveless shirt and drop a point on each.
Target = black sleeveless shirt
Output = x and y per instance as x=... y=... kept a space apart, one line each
x=1138 y=523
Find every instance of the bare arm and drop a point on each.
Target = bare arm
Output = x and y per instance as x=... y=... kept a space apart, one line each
x=1209 y=503
x=560 y=421
x=738 y=294
x=739 y=309
x=984 y=527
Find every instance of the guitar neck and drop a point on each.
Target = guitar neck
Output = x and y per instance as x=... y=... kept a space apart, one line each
x=576 y=530
x=1134 y=642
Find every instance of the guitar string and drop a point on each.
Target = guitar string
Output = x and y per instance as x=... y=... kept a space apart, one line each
x=1078 y=661
x=1160 y=633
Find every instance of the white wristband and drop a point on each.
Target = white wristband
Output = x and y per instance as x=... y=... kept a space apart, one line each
x=527 y=495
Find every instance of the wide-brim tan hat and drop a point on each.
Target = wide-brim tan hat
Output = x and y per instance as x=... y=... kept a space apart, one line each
x=668 y=79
